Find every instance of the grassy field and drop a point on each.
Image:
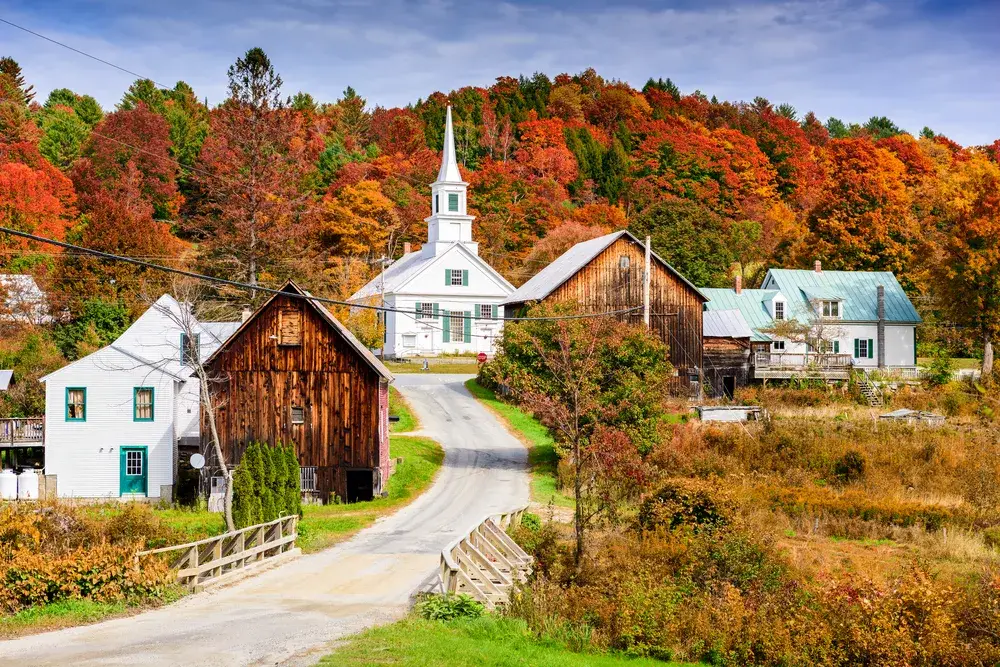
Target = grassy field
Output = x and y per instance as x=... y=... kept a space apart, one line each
x=484 y=642
x=541 y=447
x=398 y=406
x=960 y=363
x=325 y=525
x=458 y=365
x=70 y=613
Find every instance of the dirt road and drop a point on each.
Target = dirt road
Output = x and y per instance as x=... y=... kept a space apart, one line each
x=290 y=614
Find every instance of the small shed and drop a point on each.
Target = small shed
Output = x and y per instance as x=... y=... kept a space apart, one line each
x=730 y=413
x=914 y=417
x=727 y=351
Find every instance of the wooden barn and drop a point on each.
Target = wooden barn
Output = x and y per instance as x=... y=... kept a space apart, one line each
x=606 y=274
x=727 y=354
x=292 y=373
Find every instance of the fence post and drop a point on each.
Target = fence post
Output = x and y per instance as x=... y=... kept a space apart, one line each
x=193 y=561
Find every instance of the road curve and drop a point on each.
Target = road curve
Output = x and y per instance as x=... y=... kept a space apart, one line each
x=289 y=615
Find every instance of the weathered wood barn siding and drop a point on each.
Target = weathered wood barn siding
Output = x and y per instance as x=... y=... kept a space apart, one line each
x=726 y=357
x=344 y=400
x=603 y=285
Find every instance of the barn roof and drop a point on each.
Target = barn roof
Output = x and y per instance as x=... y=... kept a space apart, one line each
x=725 y=324
x=570 y=262
x=291 y=288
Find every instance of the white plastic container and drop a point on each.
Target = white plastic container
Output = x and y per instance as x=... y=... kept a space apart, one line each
x=8 y=485
x=27 y=485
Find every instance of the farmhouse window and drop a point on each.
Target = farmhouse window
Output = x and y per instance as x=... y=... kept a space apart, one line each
x=827 y=347
x=779 y=310
x=142 y=404
x=298 y=414
x=831 y=309
x=864 y=348
x=76 y=404
x=190 y=348
x=453 y=202
x=778 y=345
x=290 y=326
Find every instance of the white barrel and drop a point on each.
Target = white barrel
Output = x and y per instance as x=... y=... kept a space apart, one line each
x=8 y=485
x=27 y=485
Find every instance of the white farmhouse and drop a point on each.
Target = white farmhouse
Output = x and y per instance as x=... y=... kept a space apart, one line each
x=446 y=298
x=115 y=418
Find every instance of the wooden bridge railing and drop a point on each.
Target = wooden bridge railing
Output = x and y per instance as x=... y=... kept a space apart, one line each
x=22 y=431
x=202 y=563
x=485 y=562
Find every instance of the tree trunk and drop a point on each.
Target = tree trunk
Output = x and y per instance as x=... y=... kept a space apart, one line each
x=206 y=400
x=987 y=358
x=578 y=496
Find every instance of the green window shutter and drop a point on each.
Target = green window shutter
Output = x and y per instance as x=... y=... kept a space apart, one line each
x=416 y=309
x=446 y=329
x=857 y=348
x=452 y=202
x=447 y=277
x=468 y=327
x=871 y=348
x=465 y=277
x=836 y=347
x=435 y=311
x=479 y=311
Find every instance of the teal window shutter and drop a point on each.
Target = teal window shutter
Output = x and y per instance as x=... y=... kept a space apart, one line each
x=857 y=348
x=452 y=202
x=836 y=347
x=465 y=277
x=479 y=311
x=468 y=327
x=871 y=348
x=446 y=329
x=435 y=311
x=416 y=309
x=447 y=276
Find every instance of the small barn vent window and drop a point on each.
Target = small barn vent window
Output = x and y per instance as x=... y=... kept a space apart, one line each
x=624 y=262
x=142 y=404
x=779 y=310
x=307 y=478
x=76 y=404
x=290 y=326
x=298 y=414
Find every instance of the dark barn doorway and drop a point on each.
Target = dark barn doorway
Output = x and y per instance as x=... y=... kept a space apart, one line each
x=728 y=385
x=360 y=485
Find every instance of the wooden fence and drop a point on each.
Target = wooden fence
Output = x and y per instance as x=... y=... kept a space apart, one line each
x=485 y=562
x=205 y=562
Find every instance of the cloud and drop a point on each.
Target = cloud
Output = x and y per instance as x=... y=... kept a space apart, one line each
x=918 y=64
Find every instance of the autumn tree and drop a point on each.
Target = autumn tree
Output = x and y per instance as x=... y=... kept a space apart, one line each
x=12 y=84
x=252 y=212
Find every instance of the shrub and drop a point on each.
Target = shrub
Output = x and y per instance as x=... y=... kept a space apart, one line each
x=449 y=607
x=850 y=467
x=246 y=502
x=265 y=484
x=280 y=487
x=531 y=522
x=991 y=536
x=293 y=490
x=685 y=502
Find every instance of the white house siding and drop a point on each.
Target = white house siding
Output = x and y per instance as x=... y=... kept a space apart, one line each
x=85 y=456
x=900 y=345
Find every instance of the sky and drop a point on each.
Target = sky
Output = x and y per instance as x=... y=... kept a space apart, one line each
x=921 y=63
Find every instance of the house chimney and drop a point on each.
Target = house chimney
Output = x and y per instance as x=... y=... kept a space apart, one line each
x=406 y=247
x=818 y=266
x=245 y=314
x=881 y=326
x=739 y=284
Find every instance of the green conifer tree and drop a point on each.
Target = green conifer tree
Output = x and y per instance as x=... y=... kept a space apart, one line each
x=266 y=484
x=294 y=485
x=279 y=492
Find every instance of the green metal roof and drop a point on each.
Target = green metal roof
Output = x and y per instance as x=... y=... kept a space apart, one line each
x=750 y=303
x=858 y=291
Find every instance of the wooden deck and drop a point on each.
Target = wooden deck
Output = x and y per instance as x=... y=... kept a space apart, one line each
x=22 y=432
x=783 y=366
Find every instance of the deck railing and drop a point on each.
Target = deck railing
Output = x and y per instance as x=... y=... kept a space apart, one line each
x=202 y=563
x=485 y=562
x=22 y=431
x=802 y=360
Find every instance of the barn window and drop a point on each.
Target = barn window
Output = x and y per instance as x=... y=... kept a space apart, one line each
x=624 y=262
x=290 y=326
x=298 y=414
x=307 y=478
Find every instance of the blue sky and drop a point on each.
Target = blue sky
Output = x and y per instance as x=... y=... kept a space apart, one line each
x=933 y=63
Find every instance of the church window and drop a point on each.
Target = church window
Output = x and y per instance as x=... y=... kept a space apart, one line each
x=453 y=201
x=457 y=325
x=456 y=276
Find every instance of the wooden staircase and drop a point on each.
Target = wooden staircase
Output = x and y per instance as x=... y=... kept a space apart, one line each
x=871 y=392
x=486 y=563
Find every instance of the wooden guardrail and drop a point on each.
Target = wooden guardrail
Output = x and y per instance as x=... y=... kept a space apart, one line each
x=205 y=562
x=22 y=431
x=485 y=562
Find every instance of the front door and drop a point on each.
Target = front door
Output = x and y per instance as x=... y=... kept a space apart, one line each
x=133 y=471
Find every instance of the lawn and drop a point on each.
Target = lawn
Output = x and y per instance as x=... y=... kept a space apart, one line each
x=324 y=525
x=399 y=407
x=484 y=642
x=541 y=447
x=70 y=613
x=960 y=362
x=457 y=365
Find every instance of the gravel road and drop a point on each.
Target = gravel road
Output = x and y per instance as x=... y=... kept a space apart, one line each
x=290 y=614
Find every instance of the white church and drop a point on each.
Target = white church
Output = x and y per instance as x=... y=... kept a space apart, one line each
x=446 y=298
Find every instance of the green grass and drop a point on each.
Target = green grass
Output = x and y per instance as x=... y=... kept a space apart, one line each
x=541 y=447
x=483 y=642
x=324 y=525
x=959 y=362
x=398 y=406
x=69 y=613
x=459 y=366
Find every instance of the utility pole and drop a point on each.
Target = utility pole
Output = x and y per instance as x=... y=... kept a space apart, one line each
x=646 y=277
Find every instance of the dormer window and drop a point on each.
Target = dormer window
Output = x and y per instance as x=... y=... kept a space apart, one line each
x=453 y=202
x=779 y=310
x=831 y=309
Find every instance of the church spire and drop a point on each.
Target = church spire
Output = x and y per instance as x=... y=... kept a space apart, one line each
x=449 y=162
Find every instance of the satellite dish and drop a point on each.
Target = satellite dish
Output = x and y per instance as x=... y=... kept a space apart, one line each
x=197 y=461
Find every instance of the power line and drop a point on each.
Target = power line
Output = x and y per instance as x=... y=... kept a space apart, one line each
x=268 y=290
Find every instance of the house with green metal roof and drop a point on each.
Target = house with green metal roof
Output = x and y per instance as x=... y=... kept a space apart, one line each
x=847 y=320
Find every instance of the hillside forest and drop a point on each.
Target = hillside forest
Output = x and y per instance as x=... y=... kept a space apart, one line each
x=268 y=185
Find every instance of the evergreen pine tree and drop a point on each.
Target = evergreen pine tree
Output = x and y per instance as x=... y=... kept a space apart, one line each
x=246 y=503
x=279 y=490
x=256 y=469
x=614 y=168
x=294 y=483
x=267 y=507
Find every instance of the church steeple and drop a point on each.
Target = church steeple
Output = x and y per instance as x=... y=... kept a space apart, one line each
x=449 y=222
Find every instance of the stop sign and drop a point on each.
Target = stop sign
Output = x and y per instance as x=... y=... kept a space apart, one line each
x=481 y=357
